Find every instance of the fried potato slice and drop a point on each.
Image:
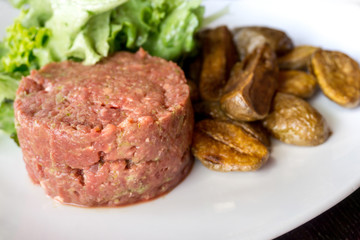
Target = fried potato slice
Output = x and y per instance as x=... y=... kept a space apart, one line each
x=249 y=38
x=223 y=146
x=338 y=76
x=207 y=109
x=256 y=129
x=210 y=109
x=218 y=57
x=298 y=58
x=251 y=87
x=298 y=83
x=295 y=121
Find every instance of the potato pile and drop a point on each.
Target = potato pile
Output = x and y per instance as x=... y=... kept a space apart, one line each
x=252 y=83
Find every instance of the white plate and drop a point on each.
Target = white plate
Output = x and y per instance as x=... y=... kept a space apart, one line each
x=296 y=185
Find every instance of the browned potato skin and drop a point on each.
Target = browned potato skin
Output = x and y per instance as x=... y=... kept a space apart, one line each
x=298 y=58
x=218 y=55
x=251 y=87
x=298 y=83
x=256 y=129
x=249 y=38
x=338 y=76
x=223 y=146
x=212 y=110
x=295 y=121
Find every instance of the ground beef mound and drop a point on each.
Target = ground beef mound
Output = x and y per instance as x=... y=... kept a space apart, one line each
x=110 y=134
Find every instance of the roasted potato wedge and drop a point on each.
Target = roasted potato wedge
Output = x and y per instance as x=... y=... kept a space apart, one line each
x=218 y=57
x=223 y=146
x=298 y=83
x=298 y=58
x=249 y=38
x=252 y=84
x=255 y=129
x=210 y=109
x=338 y=76
x=295 y=121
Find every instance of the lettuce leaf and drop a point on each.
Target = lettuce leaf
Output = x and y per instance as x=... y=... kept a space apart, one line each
x=163 y=28
x=87 y=30
x=8 y=86
x=38 y=14
x=18 y=3
x=20 y=45
x=176 y=32
x=7 y=124
x=80 y=29
x=131 y=24
x=90 y=44
x=2 y=53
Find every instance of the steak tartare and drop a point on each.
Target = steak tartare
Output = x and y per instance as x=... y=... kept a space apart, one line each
x=110 y=134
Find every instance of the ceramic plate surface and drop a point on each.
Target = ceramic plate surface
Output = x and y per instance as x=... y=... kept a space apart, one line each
x=297 y=184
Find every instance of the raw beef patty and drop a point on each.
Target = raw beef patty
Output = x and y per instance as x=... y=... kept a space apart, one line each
x=110 y=134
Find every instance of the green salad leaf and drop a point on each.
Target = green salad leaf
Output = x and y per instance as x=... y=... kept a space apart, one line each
x=2 y=53
x=21 y=45
x=163 y=28
x=18 y=3
x=80 y=29
x=38 y=13
x=7 y=119
x=8 y=86
x=88 y=30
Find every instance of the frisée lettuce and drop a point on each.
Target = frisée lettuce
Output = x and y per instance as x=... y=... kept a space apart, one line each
x=8 y=86
x=88 y=30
